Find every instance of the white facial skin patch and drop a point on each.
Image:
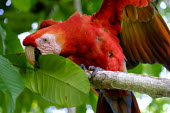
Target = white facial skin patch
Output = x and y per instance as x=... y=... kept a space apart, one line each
x=47 y=44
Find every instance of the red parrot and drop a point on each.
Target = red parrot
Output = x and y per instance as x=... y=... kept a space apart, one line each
x=121 y=34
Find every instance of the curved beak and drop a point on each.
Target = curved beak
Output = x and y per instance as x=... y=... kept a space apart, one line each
x=30 y=54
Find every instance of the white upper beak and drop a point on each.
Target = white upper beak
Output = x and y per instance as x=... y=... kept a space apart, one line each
x=30 y=55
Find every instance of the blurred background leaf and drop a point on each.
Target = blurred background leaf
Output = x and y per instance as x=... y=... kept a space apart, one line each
x=24 y=6
x=10 y=41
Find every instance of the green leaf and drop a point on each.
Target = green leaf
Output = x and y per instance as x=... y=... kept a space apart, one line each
x=2 y=37
x=9 y=40
x=59 y=80
x=12 y=43
x=136 y=70
x=89 y=6
x=19 y=61
x=27 y=100
x=20 y=23
x=81 y=109
x=159 y=105
x=23 y=5
x=11 y=83
x=147 y=69
x=152 y=70
x=92 y=100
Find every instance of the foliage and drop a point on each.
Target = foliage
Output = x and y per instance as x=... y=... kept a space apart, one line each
x=43 y=84
x=11 y=83
x=63 y=83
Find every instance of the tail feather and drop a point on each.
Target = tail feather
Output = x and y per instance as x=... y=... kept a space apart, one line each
x=135 y=105
x=102 y=105
x=117 y=101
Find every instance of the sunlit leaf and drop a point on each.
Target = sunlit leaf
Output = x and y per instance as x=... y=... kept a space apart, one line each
x=11 y=83
x=152 y=70
x=136 y=70
x=147 y=69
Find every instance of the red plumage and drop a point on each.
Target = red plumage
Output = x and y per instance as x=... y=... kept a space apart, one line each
x=89 y=44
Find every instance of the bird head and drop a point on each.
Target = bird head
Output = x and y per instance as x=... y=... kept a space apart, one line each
x=48 y=40
x=54 y=37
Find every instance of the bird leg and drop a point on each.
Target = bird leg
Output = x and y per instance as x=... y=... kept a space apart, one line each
x=95 y=70
x=91 y=68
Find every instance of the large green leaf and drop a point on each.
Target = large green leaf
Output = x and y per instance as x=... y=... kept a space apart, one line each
x=58 y=79
x=11 y=83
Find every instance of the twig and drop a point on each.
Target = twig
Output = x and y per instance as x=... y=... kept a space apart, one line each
x=77 y=5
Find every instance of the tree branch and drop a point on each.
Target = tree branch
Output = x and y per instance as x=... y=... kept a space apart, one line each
x=77 y=5
x=153 y=86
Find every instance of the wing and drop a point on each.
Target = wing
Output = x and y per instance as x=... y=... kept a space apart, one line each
x=145 y=36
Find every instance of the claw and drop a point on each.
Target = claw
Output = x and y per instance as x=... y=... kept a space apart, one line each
x=83 y=66
x=95 y=70
x=91 y=68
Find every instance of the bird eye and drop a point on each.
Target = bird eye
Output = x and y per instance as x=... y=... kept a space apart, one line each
x=45 y=40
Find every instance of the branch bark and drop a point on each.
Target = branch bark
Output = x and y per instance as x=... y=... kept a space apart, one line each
x=77 y=5
x=154 y=86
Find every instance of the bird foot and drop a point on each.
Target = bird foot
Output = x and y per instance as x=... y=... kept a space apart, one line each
x=95 y=70
x=91 y=68
x=83 y=66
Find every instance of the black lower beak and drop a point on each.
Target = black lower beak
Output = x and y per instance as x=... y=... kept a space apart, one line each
x=37 y=54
